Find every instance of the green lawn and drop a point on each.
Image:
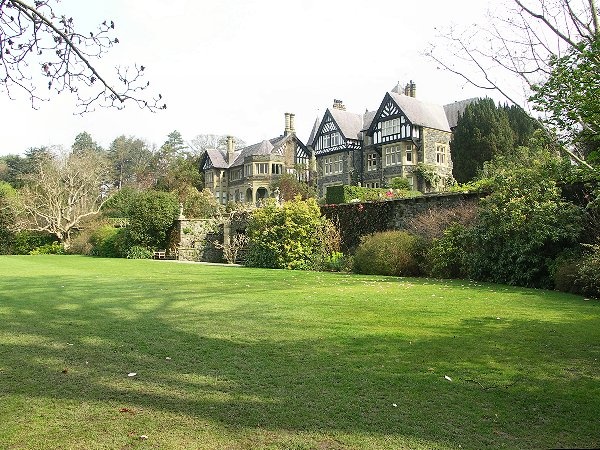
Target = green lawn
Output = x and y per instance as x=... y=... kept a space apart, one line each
x=237 y=358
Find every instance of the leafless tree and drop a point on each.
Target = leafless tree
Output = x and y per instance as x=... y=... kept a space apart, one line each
x=62 y=193
x=514 y=48
x=203 y=142
x=41 y=49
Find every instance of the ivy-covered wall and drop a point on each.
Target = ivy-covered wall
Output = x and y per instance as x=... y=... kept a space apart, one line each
x=360 y=219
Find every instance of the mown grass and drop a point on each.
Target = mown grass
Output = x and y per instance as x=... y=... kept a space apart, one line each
x=287 y=360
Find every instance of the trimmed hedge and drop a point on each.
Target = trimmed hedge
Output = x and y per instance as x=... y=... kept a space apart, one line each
x=346 y=194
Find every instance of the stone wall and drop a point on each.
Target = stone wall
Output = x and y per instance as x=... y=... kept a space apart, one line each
x=195 y=239
x=360 y=219
x=197 y=236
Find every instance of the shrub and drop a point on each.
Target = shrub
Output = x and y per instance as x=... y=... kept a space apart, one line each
x=524 y=225
x=139 y=252
x=400 y=183
x=287 y=236
x=565 y=277
x=199 y=204
x=151 y=217
x=337 y=262
x=588 y=276
x=446 y=255
x=109 y=242
x=432 y=223
x=396 y=253
x=26 y=241
x=55 y=248
x=119 y=204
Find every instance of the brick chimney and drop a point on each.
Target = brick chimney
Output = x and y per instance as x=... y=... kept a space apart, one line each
x=230 y=149
x=293 y=123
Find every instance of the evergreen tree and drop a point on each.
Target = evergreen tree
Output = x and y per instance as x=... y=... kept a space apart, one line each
x=522 y=124
x=84 y=143
x=482 y=132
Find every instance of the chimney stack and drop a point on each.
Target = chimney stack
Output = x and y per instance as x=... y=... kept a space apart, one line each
x=338 y=104
x=292 y=123
x=230 y=149
x=287 y=124
x=411 y=89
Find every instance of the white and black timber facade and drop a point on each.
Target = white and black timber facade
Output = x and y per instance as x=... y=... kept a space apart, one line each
x=372 y=148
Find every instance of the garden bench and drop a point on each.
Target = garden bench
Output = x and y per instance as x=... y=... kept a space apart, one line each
x=160 y=254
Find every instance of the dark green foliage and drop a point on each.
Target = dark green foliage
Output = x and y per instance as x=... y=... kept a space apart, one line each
x=85 y=143
x=151 y=217
x=7 y=217
x=335 y=195
x=522 y=125
x=400 y=183
x=588 y=276
x=483 y=131
x=286 y=237
x=26 y=241
x=565 y=277
x=524 y=224
x=447 y=254
x=119 y=204
x=109 y=242
x=395 y=253
x=359 y=219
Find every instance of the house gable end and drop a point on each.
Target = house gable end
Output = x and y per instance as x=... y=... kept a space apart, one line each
x=388 y=110
x=327 y=131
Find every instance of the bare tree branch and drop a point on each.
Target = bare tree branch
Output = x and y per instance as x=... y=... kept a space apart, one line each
x=32 y=34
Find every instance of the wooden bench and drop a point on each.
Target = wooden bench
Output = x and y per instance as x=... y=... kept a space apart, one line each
x=160 y=254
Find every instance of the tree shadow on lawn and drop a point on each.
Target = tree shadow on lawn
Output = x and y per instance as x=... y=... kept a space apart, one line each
x=515 y=383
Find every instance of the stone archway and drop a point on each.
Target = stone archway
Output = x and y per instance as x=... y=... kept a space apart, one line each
x=261 y=193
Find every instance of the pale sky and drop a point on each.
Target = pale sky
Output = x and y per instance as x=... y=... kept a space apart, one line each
x=236 y=66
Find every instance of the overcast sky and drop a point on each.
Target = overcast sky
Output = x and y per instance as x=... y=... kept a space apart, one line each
x=236 y=66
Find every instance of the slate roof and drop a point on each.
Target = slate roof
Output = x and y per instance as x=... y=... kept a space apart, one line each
x=350 y=124
x=421 y=113
x=313 y=132
x=219 y=157
x=453 y=110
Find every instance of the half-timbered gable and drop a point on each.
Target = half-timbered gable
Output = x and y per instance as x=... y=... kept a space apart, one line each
x=337 y=144
x=374 y=147
x=402 y=118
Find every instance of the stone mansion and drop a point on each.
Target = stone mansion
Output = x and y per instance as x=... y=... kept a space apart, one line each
x=343 y=148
